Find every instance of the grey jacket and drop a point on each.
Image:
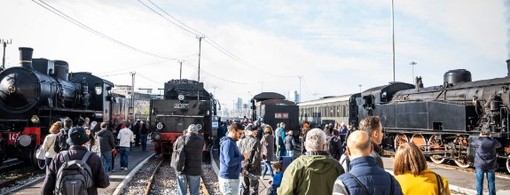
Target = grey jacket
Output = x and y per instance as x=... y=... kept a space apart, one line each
x=247 y=145
x=267 y=147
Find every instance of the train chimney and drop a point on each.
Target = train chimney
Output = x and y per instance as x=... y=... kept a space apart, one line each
x=508 y=67
x=25 y=55
x=62 y=69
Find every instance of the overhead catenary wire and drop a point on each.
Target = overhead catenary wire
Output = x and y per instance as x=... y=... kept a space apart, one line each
x=93 y=31
x=207 y=39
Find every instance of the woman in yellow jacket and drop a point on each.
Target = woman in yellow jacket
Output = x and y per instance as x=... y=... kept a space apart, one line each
x=411 y=172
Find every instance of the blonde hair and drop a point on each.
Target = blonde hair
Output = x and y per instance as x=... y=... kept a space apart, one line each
x=409 y=158
x=55 y=127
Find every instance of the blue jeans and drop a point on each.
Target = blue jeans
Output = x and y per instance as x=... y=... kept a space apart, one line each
x=183 y=181
x=47 y=161
x=229 y=186
x=143 y=139
x=267 y=166
x=491 y=177
x=290 y=153
x=124 y=154
x=106 y=158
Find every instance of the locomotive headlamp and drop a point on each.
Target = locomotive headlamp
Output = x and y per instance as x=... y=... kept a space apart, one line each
x=198 y=126
x=98 y=89
x=24 y=140
x=159 y=126
x=180 y=97
x=34 y=119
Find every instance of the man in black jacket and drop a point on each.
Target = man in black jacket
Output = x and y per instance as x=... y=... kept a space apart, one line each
x=190 y=176
x=106 y=145
x=61 y=140
x=77 y=137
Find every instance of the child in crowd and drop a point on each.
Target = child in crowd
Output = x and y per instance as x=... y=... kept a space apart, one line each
x=277 y=178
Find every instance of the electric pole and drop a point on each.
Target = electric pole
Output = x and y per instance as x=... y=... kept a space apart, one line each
x=4 y=43
x=199 y=53
x=180 y=71
x=393 y=37
x=360 y=88
x=132 y=103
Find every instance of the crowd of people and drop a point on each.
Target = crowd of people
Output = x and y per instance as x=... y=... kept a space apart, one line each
x=334 y=159
x=67 y=143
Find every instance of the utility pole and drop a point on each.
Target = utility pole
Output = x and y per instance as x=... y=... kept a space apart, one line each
x=359 y=88
x=180 y=71
x=393 y=37
x=412 y=69
x=132 y=103
x=4 y=43
x=199 y=53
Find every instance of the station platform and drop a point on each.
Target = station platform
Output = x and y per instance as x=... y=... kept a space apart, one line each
x=136 y=156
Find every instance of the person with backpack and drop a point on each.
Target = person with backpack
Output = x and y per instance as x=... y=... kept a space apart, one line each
x=77 y=170
x=191 y=144
x=61 y=139
x=365 y=175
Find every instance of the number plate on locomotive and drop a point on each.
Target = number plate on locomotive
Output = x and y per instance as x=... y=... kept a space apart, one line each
x=179 y=106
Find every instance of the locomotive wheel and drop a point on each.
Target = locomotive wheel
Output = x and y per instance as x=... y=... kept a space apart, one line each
x=419 y=140
x=462 y=162
x=38 y=164
x=508 y=164
x=399 y=139
x=436 y=144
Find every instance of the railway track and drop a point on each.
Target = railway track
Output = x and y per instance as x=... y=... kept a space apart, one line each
x=15 y=173
x=157 y=177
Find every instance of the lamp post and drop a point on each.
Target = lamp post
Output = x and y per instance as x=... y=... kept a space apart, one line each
x=360 y=88
x=412 y=70
x=393 y=38
x=4 y=43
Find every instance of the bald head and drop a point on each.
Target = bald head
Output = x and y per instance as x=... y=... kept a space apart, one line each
x=358 y=144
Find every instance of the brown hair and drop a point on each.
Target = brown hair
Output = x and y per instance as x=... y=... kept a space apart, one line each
x=268 y=130
x=277 y=165
x=235 y=126
x=370 y=124
x=409 y=158
x=55 y=128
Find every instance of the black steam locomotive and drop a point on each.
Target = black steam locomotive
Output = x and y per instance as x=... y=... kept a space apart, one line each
x=272 y=108
x=185 y=102
x=41 y=92
x=440 y=119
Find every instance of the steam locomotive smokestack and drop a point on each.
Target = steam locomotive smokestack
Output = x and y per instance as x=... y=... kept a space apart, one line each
x=508 y=67
x=25 y=56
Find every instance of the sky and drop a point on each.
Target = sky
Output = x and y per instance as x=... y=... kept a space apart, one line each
x=316 y=48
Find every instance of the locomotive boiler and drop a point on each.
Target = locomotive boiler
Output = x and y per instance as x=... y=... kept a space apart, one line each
x=185 y=102
x=443 y=119
x=40 y=92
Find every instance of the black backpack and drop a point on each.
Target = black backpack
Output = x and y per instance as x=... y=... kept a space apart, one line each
x=61 y=142
x=335 y=147
x=74 y=176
